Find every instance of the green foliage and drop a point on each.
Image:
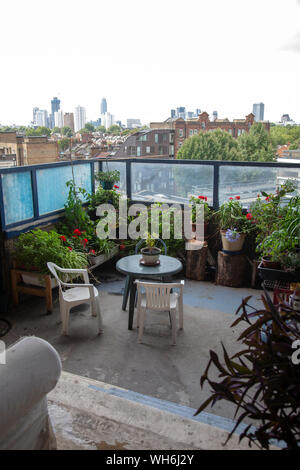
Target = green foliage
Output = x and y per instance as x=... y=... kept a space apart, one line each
x=108 y=176
x=114 y=129
x=90 y=127
x=64 y=144
x=212 y=145
x=104 y=196
x=34 y=249
x=261 y=380
x=67 y=131
x=220 y=145
x=55 y=130
x=101 y=129
x=256 y=145
x=40 y=131
x=282 y=135
x=194 y=201
x=76 y=216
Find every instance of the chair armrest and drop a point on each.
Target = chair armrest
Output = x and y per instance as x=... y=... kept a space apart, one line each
x=71 y=271
x=69 y=284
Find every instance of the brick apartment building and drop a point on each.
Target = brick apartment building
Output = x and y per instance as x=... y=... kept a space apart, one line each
x=184 y=129
x=28 y=150
x=148 y=143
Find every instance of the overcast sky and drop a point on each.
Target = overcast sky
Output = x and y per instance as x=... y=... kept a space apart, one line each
x=147 y=57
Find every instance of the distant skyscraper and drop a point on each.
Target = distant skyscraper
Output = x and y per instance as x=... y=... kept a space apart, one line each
x=173 y=113
x=69 y=120
x=180 y=112
x=80 y=118
x=197 y=112
x=259 y=111
x=103 y=106
x=132 y=123
x=107 y=120
x=55 y=106
x=59 y=118
x=215 y=115
x=34 y=112
x=41 y=118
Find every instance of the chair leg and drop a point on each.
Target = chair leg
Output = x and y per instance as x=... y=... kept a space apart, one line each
x=65 y=313
x=173 y=316
x=141 y=324
x=100 y=323
x=126 y=292
x=180 y=310
x=94 y=307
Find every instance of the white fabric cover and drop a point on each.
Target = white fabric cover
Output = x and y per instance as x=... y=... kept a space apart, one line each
x=32 y=370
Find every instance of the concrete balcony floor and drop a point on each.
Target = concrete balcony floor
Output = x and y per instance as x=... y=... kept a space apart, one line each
x=154 y=368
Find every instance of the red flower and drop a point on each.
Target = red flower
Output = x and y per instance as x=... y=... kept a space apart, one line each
x=122 y=247
x=258 y=195
x=77 y=232
x=201 y=197
x=70 y=248
x=92 y=252
x=238 y=197
x=249 y=216
x=84 y=241
x=115 y=186
x=231 y=199
x=268 y=198
x=63 y=238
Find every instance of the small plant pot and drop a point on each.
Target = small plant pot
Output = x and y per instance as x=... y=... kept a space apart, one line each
x=107 y=185
x=267 y=263
x=150 y=257
x=232 y=246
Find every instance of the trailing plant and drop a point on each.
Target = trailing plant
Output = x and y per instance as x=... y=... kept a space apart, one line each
x=75 y=214
x=36 y=248
x=104 y=196
x=263 y=379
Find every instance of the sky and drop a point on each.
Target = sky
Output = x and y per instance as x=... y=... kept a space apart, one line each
x=147 y=57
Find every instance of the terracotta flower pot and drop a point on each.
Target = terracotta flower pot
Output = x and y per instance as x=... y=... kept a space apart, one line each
x=232 y=246
x=267 y=263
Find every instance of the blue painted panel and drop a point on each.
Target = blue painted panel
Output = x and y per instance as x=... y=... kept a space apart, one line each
x=17 y=197
x=52 y=189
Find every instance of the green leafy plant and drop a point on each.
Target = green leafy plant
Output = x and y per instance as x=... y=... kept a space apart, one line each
x=108 y=176
x=34 y=249
x=262 y=380
x=231 y=216
x=200 y=200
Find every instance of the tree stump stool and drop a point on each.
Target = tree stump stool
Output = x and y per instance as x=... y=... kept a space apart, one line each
x=231 y=269
x=196 y=254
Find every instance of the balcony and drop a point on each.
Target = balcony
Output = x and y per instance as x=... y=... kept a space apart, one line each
x=154 y=373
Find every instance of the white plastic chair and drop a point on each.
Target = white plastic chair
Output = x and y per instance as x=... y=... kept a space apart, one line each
x=159 y=296
x=71 y=295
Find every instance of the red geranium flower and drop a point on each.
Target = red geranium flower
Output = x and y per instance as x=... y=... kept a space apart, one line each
x=201 y=197
x=268 y=198
x=258 y=195
x=249 y=216
x=122 y=247
x=63 y=238
x=231 y=199
x=115 y=186
x=92 y=252
x=70 y=248
x=84 y=241
x=238 y=197
x=77 y=231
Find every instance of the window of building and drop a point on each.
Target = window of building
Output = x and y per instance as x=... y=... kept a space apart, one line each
x=171 y=138
x=230 y=131
x=195 y=131
x=165 y=137
x=156 y=138
x=180 y=132
x=203 y=125
x=171 y=149
x=148 y=149
x=138 y=151
x=191 y=132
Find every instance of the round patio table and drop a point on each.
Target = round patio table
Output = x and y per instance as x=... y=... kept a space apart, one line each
x=130 y=265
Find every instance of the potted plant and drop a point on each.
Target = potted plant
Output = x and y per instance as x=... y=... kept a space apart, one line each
x=234 y=225
x=34 y=249
x=107 y=179
x=151 y=252
x=196 y=201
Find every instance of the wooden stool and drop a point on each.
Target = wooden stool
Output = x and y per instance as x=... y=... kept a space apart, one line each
x=18 y=286
x=231 y=269
x=196 y=254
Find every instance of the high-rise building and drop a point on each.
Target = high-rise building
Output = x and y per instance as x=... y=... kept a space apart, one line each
x=180 y=112
x=173 y=113
x=132 y=123
x=34 y=111
x=69 y=120
x=107 y=120
x=103 y=109
x=214 y=115
x=41 y=118
x=198 y=112
x=55 y=106
x=80 y=118
x=259 y=111
x=59 y=118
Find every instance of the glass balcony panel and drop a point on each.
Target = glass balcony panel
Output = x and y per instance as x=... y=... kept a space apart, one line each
x=17 y=197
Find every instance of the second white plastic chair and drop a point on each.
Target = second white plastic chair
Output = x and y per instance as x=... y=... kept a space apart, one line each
x=158 y=296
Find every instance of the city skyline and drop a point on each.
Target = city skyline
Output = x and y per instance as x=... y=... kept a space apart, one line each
x=242 y=63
